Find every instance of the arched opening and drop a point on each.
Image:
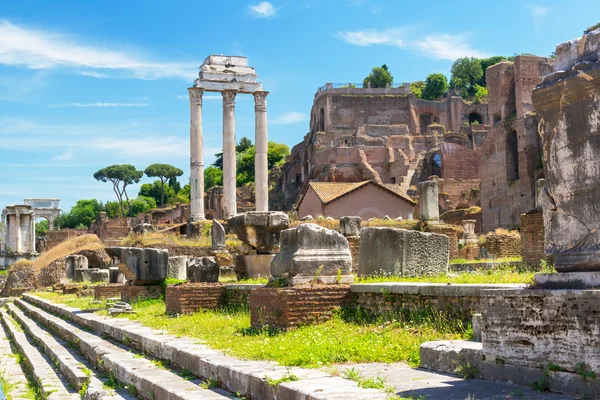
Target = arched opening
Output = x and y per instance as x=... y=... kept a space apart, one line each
x=512 y=156
x=475 y=119
x=42 y=225
x=436 y=165
x=425 y=120
x=322 y=120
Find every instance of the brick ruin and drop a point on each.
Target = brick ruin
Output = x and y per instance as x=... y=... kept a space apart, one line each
x=386 y=135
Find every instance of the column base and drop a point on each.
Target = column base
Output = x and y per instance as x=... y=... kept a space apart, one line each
x=196 y=218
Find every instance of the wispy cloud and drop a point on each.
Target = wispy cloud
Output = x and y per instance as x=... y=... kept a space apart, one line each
x=441 y=46
x=36 y=49
x=447 y=47
x=389 y=37
x=66 y=156
x=262 y=10
x=289 y=118
x=100 y=105
x=538 y=13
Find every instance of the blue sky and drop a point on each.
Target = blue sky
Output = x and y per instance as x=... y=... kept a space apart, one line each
x=86 y=84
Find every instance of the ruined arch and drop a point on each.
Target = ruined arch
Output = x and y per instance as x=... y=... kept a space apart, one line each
x=436 y=164
x=426 y=119
x=475 y=118
x=512 y=156
x=322 y=120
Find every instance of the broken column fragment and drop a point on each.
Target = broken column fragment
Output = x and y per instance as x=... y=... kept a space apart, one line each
x=141 y=266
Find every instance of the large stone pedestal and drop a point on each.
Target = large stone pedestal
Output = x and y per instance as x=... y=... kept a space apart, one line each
x=253 y=266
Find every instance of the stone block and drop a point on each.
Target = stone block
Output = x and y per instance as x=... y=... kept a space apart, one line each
x=177 y=267
x=217 y=233
x=394 y=251
x=115 y=275
x=450 y=355
x=141 y=264
x=476 y=322
x=253 y=266
x=74 y=262
x=350 y=226
x=203 y=269
x=309 y=251
x=143 y=229
x=260 y=229
x=84 y=274
x=99 y=276
x=428 y=201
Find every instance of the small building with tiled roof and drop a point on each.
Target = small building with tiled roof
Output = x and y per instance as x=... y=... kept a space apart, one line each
x=366 y=199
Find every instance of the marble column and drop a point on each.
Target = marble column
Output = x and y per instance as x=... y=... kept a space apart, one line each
x=196 y=156
x=18 y=233
x=32 y=233
x=229 y=164
x=261 y=168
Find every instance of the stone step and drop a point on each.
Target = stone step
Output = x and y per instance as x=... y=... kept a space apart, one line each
x=149 y=381
x=249 y=378
x=453 y=356
x=51 y=384
x=10 y=370
x=56 y=350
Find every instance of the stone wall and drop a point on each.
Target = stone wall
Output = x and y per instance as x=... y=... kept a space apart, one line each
x=133 y=293
x=449 y=231
x=501 y=245
x=292 y=306
x=354 y=244
x=57 y=236
x=532 y=238
x=532 y=328
x=469 y=252
x=102 y=292
x=460 y=301
x=191 y=297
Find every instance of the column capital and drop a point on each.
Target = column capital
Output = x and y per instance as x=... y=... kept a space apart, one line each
x=196 y=95
x=260 y=100
x=228 y=97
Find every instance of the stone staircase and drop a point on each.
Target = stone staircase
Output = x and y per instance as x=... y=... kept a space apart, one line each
x=68 y=362
x=73 y=354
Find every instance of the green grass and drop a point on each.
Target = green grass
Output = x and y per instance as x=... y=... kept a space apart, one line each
x=3 y=272
x=499 y=275
x=491 y=260
x=347 y=337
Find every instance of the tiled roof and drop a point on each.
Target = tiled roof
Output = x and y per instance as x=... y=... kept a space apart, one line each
x=329 y=191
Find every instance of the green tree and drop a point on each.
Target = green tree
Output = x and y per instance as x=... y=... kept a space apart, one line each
x=243 y=144
x=164 y=172
x=157 y=191
x=466 y=72
x=435 y=86
x=213 y=176
x=120 y=176
x=82 y=214
x=276 y=153
x=183 y=196
x=380 y=77
x=416 y=88
x=174 y=184
x=481 y=94
x=141 y=204
x=41 y=227
x=112 y=209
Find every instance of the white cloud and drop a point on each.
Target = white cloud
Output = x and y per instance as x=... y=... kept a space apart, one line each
x=66 y=156
x=289 y=118
x=447 y=47
x=100 y=105
x=36 y=49
x=441 y=46
x=538 y=13
x=263 y=10
x=390 y=37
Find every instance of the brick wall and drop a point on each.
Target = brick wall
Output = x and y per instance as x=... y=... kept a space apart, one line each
x=500 y=246
x=469 y=252
x=354 y=243
x=293 y=306
x=191 y=297
x=132 y=293
x=451 y=232
x=102 y=292
x=238 y=295
x=532 y=238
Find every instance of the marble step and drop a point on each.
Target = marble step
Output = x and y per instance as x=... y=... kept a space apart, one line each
x=10 y=370
x=51 y=384
x=133 y=371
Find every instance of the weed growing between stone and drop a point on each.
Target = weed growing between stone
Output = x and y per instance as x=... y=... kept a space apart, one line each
x=350 y=336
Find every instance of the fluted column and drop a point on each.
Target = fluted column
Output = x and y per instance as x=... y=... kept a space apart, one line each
x=261 y=168
x=196 y=156
x=229 y=165
x=18 y=232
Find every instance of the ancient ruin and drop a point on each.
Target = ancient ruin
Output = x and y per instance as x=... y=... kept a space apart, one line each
x=228 y=75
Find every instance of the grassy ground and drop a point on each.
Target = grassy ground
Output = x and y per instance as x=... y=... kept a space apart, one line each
x=154 y=238
x=348 y=337
x=491 y=260
x=503 y=275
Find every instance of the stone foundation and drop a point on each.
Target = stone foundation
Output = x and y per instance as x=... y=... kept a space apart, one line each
x=191 y=297
x=469 y=252
x=292 y=306
x=354 y=244
x=102 y=292
x=133 y=293
x=501 y=246
x=532 y=238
